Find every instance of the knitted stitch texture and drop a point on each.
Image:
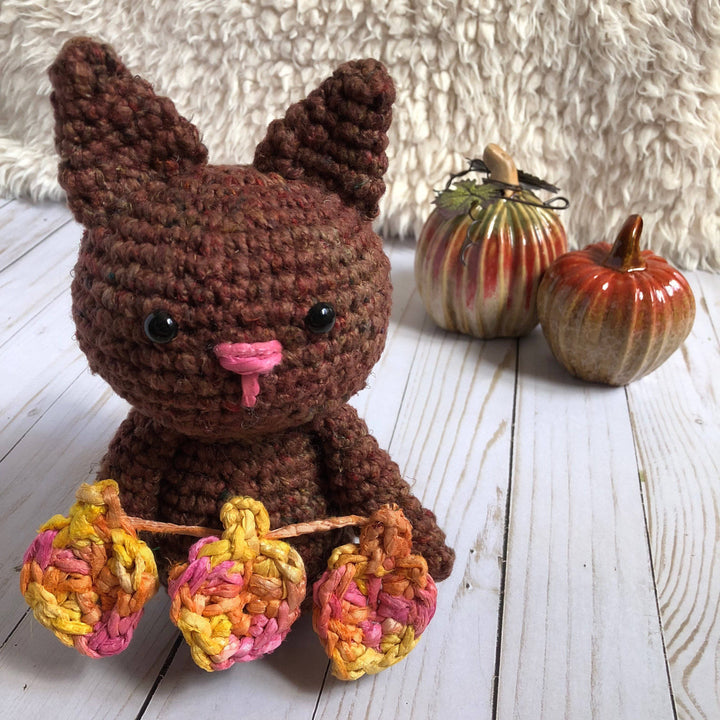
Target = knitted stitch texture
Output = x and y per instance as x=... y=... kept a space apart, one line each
x=237 y=308
x=237 y=598
x=375 y=600
x=87 y=576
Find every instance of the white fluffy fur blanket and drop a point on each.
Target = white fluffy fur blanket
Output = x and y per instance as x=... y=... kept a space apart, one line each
x=616 y=101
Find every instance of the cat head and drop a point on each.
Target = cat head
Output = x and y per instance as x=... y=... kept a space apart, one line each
x=225 y=301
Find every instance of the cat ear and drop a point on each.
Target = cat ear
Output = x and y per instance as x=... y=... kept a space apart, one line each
x=337 y=136
x=113 y=134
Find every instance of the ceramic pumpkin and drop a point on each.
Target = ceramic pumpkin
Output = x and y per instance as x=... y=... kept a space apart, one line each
x=483 y=250
x=612 y=315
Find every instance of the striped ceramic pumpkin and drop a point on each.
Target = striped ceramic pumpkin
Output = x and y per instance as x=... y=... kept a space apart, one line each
x=612 y=315
x=482 y=252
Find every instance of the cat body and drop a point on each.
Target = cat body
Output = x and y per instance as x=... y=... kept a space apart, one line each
x=236 y=308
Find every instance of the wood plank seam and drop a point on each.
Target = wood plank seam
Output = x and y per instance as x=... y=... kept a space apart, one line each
x=407 y=377
x=18 y=623
x=506 y=535
x=320 y=691
x=677 y=433
x=160 y=676
x=644 y=500
x=704 y=305
x=32 y=317
x=41 y=415
x=25 y=232
x=40 y=241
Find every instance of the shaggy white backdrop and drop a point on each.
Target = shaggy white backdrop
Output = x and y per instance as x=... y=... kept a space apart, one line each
x=616 y=101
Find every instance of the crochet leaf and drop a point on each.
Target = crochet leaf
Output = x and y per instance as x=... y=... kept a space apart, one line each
x=463 y=196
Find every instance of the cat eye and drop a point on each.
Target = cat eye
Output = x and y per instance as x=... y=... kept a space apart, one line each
x=320 y=318
x=160 y=327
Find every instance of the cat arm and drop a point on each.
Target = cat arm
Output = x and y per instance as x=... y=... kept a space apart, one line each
x=137 y=459
x=362 y=477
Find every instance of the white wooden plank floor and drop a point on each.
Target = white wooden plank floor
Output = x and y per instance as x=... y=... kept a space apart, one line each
x=586 y=522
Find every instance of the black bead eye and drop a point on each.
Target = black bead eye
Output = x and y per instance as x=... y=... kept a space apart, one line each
x=320 y=318
x=160 y=327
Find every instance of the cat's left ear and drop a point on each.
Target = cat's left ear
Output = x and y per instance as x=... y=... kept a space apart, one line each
x=337 y=136
x=112 y=132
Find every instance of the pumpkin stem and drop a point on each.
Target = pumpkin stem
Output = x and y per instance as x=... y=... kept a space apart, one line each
x=625 y=254
x=501 y=166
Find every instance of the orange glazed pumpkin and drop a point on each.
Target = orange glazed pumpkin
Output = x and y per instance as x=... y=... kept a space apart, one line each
x=612 y=315
x=483 y=250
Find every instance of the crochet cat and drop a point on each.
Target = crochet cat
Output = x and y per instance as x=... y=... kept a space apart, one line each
x=236 y=308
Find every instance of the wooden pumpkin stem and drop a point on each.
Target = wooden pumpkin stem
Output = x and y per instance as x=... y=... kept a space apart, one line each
x=625 y=254
x=501 y=166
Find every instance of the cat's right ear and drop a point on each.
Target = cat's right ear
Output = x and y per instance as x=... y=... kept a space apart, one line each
x=112 y=132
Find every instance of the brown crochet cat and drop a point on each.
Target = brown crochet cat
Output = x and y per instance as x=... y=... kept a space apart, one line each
x=237 y=308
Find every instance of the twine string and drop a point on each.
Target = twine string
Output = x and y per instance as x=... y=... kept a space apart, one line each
x=287 y=531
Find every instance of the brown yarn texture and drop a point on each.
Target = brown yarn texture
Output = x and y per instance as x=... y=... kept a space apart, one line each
x=234 y=254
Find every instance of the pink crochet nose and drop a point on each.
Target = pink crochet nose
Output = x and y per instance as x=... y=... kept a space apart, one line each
x=249 y=360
